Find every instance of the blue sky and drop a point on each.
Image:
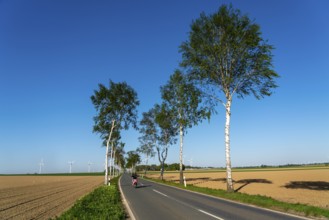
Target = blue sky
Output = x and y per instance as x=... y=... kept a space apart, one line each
x=53 y=54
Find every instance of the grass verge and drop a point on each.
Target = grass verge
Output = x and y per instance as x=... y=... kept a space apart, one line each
x=103 y=203
x=257 y=200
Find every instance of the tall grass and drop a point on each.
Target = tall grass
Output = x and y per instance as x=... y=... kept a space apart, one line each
x=103 y=203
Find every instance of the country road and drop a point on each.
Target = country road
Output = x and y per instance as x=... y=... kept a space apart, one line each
x=156 y=201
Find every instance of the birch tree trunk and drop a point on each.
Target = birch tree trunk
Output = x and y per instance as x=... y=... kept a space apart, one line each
x=181 y=134
x=111 y=160
x=107 y=154
x=229 y=180
x=106 y=161
x=164 y=157
x=113 y=163
x=162 y=169
x=147 y=159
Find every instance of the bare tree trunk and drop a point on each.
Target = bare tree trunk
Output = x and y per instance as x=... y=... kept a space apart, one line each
x=229 y=180
x=181 y=134
x=107 y=153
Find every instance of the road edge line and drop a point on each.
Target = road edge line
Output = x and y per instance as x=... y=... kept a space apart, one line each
x=209 y=214
x=125 y=203
x=231 y=201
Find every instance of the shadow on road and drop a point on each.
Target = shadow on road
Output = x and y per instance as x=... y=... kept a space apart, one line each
x=142 y=186
x=246 y=182
x=311 y=185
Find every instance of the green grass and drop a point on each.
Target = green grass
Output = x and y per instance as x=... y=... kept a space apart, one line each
x=257 y=200
x=103 y=203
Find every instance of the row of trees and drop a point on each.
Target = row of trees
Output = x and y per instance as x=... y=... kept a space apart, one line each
x=154 y=167
x=224 y=57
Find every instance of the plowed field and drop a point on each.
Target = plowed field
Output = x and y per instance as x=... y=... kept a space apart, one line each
x=42 y=197
x=307 y=186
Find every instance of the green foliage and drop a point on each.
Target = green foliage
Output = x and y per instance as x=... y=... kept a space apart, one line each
x=226 y=55
x=153 y=167
x=146 y=147
x=148 y=138
x=119 y=154
x=133 y=159
x=185 y=100
x=103 y=203
x=116 y=104
x=148 y=129
x=164 y=119
x=225 y=50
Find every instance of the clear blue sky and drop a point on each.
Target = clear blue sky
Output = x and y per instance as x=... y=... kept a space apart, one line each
x=53 y=54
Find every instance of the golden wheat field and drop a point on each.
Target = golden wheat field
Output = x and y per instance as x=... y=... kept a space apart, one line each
x=306 y=186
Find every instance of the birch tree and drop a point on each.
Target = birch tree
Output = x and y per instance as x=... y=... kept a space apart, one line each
x=227 y=56
x=146 y=148
x=133 y=159
x=116 y=110
x=164 y=119
x=149 y=134
x=185 y=101
x=119 y=155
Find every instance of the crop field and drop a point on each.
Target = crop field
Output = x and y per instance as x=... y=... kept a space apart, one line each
x=42 y=197
x=306 y=186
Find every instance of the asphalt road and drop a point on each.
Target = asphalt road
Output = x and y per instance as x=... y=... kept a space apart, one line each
x=156 y=201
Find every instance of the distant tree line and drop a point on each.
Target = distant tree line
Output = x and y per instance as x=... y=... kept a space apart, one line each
x=154 y=167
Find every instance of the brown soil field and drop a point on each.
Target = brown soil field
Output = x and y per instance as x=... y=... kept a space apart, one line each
x=294 y=186
x=42 y=197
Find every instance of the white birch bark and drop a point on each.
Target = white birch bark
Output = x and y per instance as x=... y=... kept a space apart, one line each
x=147 y=159
x=107 y=153
x=111 y=160
x=181 y=154
x=113 y=167
x=227 y=147
x=106 y=162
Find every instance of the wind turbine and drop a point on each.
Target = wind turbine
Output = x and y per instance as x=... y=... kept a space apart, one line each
x=89 y=164
x=41 y=164
x=71 y=163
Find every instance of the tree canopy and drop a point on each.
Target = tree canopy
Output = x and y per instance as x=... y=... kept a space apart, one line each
x=185 y=102
x=117 y=103
x=225 y=50
x=116 y=108
x=226 y=54
x=132 y=159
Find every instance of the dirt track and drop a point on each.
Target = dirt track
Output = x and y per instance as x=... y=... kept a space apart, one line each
x=42 y=197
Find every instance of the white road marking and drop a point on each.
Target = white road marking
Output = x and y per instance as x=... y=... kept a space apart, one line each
x=160 y=193
x=214 y=216
x=204 y=212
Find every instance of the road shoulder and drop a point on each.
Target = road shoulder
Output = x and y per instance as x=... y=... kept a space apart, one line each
x=125 y=203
